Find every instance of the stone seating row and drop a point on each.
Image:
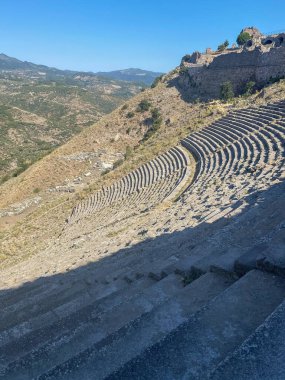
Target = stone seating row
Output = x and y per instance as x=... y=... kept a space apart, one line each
x=152 y=181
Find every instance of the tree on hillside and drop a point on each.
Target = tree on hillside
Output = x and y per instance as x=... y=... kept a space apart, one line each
x=143 y=106
x=226 y=91
x=249 y=88
x=242 y=38
x=223 y=46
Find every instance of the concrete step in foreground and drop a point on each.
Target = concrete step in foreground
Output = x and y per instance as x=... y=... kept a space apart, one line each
x=99 y=361
x=261 y=356
x=194 y=349
x=42 y=350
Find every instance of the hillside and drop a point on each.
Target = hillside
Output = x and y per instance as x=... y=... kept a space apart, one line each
x=132 y=75
x=79 y=165
x=41 y=108
x=151 y=244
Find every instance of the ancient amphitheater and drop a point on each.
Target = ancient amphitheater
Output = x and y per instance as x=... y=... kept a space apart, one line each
x=202 y=297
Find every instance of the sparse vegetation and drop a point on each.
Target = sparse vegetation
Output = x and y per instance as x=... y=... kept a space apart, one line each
x=223 y=46
x=118 y=163
x=249 y=88
x=129 y=152
x=156 y=81
x=143 y=106
x=37 y=116
x=199 y=115
x=226 y=91
x=183 y=70
x=156 y=121
x=130 y=115
x=242 y=38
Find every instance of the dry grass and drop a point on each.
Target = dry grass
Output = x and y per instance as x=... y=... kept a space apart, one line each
x=41 y=227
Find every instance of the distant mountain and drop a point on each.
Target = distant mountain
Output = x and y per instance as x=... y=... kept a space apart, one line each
x=13 y=64
x=42 y=107
x=132 y=75
x=8 y=64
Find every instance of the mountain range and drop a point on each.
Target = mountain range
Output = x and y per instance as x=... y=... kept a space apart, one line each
x=42 y=107
x=132 y=75
x=8 y=64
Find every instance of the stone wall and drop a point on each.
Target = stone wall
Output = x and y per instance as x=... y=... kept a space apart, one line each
x=259 y=64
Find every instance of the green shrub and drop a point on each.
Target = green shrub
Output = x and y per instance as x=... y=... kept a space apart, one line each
x=130 y=115
x=186 y=57
x=156 y=121
x=106 y=171
x=5 y=178
x=223 y=46
x=249 y=88
x=155 y=115
x=183 y=70
x=226 y=91
x=242 y=38
x=36 y=190
x=118 y=163
x=143 y=106
x=124 y=107
x=128 y=152
x=156 y=81
x=21 y=168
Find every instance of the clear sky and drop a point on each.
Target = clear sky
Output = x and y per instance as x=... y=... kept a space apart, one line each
x=104 y=35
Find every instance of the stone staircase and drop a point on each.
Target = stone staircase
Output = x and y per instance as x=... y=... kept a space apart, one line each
x=189 y=304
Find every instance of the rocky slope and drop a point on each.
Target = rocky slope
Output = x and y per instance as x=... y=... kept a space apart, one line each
x=79 y=165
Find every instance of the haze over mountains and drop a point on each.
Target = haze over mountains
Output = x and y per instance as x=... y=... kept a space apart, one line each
x=42 y=107
x=51 y=73
x=132 y=75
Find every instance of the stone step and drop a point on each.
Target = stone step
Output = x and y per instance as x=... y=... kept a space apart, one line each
x=261 y=356
x=130 y=341
x=265 y=256
x=34 y=329
x=40 y=303
x=75 y=333
x=195 y=348
x=216 y=260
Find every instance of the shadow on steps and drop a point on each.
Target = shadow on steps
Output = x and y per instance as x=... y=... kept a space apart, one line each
x=114 y=279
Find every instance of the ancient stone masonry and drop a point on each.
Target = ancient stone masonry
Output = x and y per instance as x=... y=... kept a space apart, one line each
x=202 y=300
x=261 y=60
x=157 y=180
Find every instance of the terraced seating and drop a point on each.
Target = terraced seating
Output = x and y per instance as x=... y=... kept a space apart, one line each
x=129 y=334
x=187 y=304
x=147 y=185
x=249 y=138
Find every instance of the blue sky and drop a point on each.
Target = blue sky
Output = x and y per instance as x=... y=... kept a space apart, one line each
x=104 y=35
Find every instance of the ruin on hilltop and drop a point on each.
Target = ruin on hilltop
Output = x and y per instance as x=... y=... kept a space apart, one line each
x=261 y=59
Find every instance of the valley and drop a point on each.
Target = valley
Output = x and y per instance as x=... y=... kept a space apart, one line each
x=41 y=108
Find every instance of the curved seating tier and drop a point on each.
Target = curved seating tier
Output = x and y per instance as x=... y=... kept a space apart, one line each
x=142 y=188
x=249 y=139
x=161 y=307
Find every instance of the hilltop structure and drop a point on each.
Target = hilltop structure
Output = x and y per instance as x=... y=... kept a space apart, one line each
x=260 y=60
